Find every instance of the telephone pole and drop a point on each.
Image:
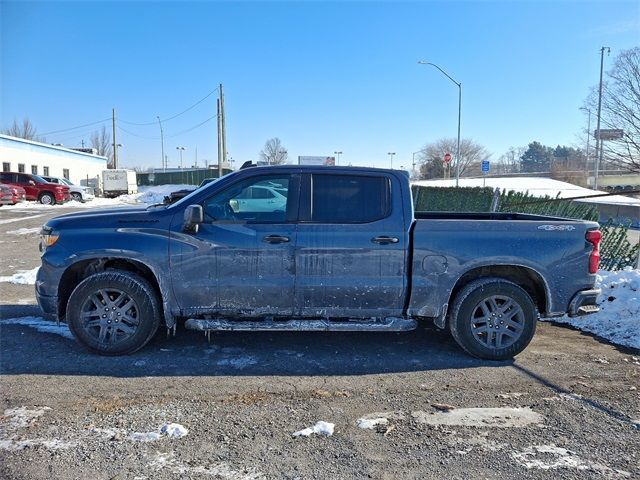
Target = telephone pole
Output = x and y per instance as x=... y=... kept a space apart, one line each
x=115 y=145
x=163 y=159
x=598 y=139
x=219 y=140
x=223 y=127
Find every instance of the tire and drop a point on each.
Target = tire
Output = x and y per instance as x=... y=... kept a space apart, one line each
x=76 y=197
x=113 y=313
x=493 y=319
x=47 y=199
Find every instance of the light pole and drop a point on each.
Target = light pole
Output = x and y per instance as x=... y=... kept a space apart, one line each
x=459 y=84
x=180 y=149
x=163 y=161
x=117 y=145
x=338 y=154
x=588 y=110
x=391 y=154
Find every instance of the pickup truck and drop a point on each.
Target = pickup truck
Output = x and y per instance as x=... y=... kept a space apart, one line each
x=345 y=251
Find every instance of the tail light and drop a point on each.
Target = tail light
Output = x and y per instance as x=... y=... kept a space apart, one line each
x=594 y=237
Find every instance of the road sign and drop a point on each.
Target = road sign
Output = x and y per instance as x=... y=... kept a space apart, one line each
x=485 y=166
x=608 y=134
x=447 y=157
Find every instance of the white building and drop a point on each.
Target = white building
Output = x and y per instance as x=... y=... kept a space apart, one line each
x=26 y=156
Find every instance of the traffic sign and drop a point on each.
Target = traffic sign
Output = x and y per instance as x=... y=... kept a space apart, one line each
x=447 y=157
x=485 y=166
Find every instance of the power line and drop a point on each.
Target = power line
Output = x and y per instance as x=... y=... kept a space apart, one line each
x=136 y=135
x=177 y=114
x=192 y=128
x=75 y=128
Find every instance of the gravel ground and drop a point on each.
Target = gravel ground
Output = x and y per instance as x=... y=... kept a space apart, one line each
x=568 y=407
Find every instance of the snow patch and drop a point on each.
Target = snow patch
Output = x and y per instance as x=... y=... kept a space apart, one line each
x=24 y=231
x=167 y=462
x=11 y=220
x=144 y=437
x=238 y=363
x=371 y=423
x=619 y=317
x=320 y=428
x=480 y=417
x=41 y=325
x=174 y=430
x=22 y=417
x=23 y=277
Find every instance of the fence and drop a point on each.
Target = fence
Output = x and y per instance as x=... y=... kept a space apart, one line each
x=616 y=251
x=187 y=176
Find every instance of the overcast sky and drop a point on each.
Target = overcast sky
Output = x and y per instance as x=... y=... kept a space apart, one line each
x=322 y=76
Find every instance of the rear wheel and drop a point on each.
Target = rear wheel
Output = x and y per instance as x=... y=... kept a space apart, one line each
x=47 y=199
x=113 y=312
x=493 y=318
x=76 y=196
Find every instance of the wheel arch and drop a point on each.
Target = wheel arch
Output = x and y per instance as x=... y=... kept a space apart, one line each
x=78 y=271
x=527 y=278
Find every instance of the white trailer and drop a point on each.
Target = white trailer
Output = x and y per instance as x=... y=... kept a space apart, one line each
x=119 y=182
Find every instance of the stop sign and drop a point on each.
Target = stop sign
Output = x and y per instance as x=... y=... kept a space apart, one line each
x=447 y=157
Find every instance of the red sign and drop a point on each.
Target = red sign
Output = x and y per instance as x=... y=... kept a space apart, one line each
x=447 y=157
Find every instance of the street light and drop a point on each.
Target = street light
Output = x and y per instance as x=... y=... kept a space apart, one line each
x=116 y=152
x=391 y=154
x=422 y=62
x=181 y=149
x=588 y=137
x=338 y=154
x=413 y=162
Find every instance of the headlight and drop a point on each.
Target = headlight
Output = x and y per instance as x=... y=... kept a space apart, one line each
x=48 y=236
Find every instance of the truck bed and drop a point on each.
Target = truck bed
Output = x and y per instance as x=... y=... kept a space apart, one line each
x=425 y=215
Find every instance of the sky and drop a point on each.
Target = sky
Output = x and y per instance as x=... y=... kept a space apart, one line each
x=321 y=76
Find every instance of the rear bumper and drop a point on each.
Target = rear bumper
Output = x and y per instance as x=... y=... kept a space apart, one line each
x=584 y=302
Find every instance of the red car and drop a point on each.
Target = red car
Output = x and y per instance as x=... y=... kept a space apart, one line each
x=37 y=188
x=10 y=194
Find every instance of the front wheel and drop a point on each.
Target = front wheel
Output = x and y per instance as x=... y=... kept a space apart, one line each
x=113 y=312
x=47 y=199
x=493 y=318
x=76 y=197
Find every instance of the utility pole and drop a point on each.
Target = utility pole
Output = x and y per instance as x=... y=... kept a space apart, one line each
x=196 y=156
x=115 y=145
x=588 y=110
x=219 y=141
x=223 y=128
x=598 y=139
x=163 y=161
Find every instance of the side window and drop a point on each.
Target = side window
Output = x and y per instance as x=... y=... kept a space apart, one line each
x=256 y=200
x=349 y=198
x=6 y=177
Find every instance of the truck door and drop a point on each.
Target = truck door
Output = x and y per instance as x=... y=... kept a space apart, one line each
x=351 y=247
x=241 y=261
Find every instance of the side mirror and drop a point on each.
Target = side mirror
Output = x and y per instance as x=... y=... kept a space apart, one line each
x=32 y=183
x=193 y=217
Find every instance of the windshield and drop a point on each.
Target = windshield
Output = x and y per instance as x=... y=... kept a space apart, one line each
x=187 y=199
x=68 y=182
x=39 y=179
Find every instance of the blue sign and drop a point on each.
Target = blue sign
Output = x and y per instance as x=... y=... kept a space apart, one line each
x=485 y=166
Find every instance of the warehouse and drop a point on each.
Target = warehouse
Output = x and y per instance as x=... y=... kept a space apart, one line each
x=27 y=156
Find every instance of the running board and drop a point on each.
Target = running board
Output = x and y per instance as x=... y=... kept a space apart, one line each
x=389 y=324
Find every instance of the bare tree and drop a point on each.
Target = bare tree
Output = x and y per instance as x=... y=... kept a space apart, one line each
x=101 y=141
x=25 y=130
x=509 y=162
x=273 y=153
x=432 y=154
x=621 y=110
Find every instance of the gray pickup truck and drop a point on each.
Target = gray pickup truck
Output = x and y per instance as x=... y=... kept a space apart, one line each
x=313 y=248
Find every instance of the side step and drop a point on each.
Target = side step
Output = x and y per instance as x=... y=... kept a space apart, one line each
x=389 y=324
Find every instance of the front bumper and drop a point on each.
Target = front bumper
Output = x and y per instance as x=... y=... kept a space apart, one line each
x=48 y=305
x=584 y=302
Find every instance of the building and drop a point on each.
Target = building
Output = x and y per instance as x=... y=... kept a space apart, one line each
x=27 y=156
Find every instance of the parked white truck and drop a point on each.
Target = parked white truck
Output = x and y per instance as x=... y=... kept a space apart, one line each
x=119 y=182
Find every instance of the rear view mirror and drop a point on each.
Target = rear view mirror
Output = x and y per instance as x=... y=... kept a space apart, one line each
x=193 y=217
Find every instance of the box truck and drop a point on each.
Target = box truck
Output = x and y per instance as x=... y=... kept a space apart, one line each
x=118 y=182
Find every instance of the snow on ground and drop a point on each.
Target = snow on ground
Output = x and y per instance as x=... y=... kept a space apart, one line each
x=40 y=325
x=23 y=277
x=321 y=428
x=536 y=186
x=11 y=220
x=24 y=231
x=619 y=317
x=480 y=417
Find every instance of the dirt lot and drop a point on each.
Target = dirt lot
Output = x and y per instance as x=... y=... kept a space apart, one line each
x=568 y=407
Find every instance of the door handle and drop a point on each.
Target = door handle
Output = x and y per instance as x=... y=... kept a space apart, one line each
x=275 y=239
x=384 y=240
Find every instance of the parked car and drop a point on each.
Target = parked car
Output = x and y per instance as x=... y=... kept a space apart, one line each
x=37 y=188
x=345 y=252
x=10 y=194
x=78 y=193
x=173 y=197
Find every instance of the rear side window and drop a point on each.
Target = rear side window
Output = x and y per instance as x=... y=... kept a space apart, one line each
x=349 y=198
